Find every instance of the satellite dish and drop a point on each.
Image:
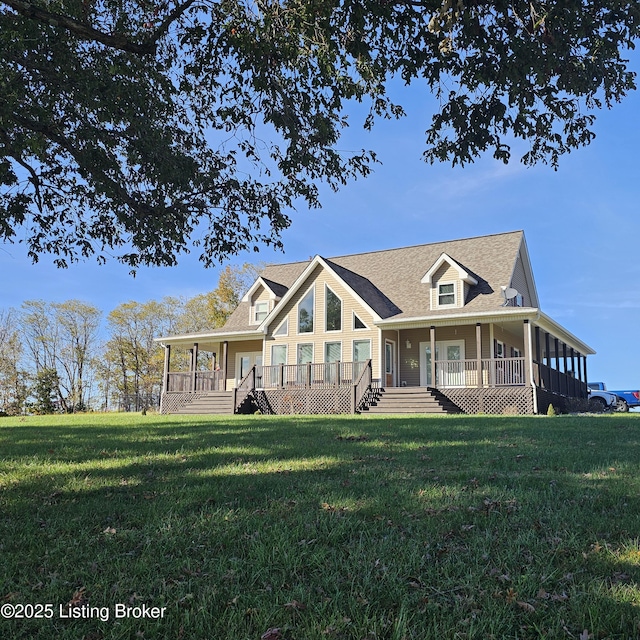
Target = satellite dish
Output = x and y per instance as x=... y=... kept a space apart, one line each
x=508 y=293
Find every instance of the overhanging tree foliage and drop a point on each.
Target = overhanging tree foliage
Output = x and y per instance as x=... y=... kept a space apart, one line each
x=135 y=128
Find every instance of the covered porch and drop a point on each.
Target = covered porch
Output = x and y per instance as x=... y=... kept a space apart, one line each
x=502 y=363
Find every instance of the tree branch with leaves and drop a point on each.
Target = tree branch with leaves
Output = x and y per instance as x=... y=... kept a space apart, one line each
x=143 y=130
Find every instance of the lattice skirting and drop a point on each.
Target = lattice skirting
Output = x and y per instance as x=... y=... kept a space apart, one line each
x=304 y=401
x=173 y=402
x=496 y=401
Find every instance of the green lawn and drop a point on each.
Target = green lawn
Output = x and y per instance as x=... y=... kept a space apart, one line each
x=321 y=527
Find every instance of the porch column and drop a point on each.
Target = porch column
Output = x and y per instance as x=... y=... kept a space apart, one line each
x=194 y=365
x=432 y=338
x=165 y=376
x=556 y=350
x=528 y=364
x=479 y=353
x=586 y=379
x=529 y=379
x=225 y=363
x=538 y=345
x=579 y=366
x=566 y=379
x=547 y=349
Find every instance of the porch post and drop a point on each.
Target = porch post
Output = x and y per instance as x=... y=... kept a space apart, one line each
x=547 y=349
x=538 y=345
x=432 y=338
x=528 y=365
x=529 y=379
x=566 y=379
x=167 y=359
x=479 y=353
x=225 y=363
x=194 y=365
x=579 y=366
x=586 y=379
x=556 y=349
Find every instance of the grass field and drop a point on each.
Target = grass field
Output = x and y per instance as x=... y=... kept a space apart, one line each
x=304 y=528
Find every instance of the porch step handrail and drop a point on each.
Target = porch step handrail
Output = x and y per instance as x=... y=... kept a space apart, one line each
x=362 y=386
x=244 y=388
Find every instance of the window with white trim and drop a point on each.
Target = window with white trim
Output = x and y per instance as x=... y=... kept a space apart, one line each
x=332 y=351
x=305 y=353
x=361 y=350
x=446 y=294
x=498 y=349
x=358 y=324
x=305 y=313
x=279 y=354
x=260 y=311
x=283 y=329
x=333 y=311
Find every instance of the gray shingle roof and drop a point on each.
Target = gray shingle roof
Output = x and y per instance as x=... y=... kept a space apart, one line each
x=389 y=281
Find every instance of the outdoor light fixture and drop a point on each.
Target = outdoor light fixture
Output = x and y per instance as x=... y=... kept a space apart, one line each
x=408 y=344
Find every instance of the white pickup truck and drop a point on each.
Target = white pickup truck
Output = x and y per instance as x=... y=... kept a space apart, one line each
x=600 y=401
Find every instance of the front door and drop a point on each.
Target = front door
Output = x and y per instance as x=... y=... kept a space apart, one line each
x=244 y=362
x=449 y=363
x=389 y=363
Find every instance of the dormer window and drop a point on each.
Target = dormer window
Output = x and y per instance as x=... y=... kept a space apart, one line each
x=446 y=294
x=260 y=311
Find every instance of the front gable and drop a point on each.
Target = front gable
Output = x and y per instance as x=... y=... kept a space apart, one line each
x=320 y=316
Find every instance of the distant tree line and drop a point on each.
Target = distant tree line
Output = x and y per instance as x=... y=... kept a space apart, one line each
x=68 y=357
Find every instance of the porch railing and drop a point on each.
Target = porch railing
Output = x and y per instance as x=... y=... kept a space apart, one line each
x=324 y=375
x=498 y=372
x=189 y=381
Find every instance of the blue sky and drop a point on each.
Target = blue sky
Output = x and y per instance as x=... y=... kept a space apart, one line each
x=581 y=224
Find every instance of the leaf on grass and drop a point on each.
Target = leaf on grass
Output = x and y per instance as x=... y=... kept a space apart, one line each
x=10 y=596
x=79 y=598
x=511 y=595
x=294 y=605
x=271 y=634
x=109 y=531
x=525 y=606
x=585 y=635
x=333 y=509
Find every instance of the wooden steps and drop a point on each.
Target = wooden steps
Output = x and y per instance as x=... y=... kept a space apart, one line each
x=410 y=400
x=215 y=402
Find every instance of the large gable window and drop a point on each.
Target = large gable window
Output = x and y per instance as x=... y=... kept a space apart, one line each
x=446 y=294
x=305 y=313
x=333 y=312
